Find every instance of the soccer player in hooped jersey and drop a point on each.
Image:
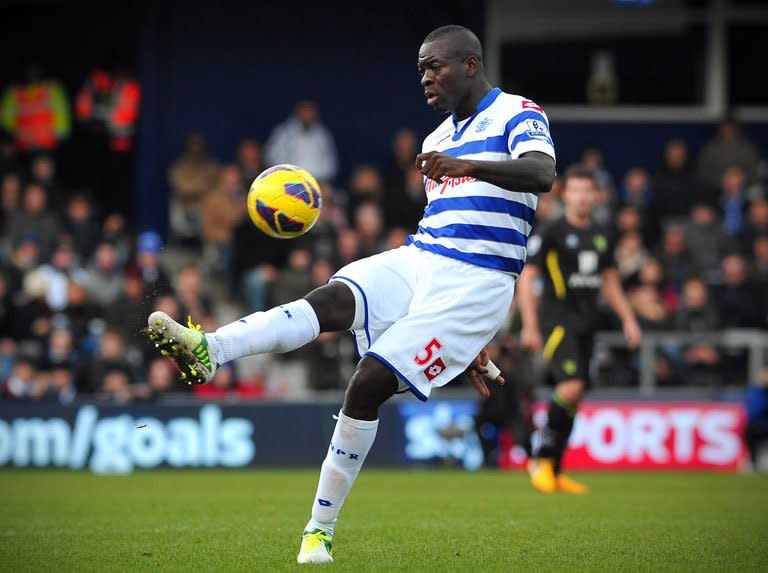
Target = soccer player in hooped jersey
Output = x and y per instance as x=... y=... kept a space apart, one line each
x=421 y=314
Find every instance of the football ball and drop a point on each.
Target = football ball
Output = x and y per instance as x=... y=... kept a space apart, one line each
x=284 y=201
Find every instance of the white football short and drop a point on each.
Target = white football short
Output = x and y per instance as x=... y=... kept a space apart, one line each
x=424 y=315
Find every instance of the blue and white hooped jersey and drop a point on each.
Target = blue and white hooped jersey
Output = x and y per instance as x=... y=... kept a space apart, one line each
x=471 y=220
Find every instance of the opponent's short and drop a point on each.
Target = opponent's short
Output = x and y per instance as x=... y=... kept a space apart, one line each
x=423 y=315
x=567 y=351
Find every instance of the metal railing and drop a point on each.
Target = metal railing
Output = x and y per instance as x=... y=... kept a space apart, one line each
x=755 y=341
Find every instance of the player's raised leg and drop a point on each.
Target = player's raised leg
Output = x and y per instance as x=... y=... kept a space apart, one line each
x=329 y=308
x=371 y=385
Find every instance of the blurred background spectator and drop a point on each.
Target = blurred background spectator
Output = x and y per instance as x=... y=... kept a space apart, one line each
x=81 y=266
x=305 y=141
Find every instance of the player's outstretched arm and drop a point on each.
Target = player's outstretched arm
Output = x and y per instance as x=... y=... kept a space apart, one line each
x=478 y=371
x=533 y=172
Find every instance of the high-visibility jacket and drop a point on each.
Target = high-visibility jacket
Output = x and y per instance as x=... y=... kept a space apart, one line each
x=114 y=101
x=36 y=114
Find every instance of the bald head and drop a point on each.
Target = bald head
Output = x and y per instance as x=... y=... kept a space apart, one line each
x=457 y=41
x=451 y=69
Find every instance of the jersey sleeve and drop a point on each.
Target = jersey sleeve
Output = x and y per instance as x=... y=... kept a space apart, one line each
x=528 y=130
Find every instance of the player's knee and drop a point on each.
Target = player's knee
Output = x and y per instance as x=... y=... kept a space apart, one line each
x=334 y=305
x=371 y=385
x=570 y=391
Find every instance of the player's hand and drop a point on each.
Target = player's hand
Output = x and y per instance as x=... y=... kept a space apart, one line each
x=436 y=165
x=632 y=332
x=530 y=339
x=476 y=371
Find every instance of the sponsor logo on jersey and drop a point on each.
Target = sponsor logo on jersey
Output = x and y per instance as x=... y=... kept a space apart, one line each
x=528 y=104
x=432 y=185
x=435 y=369
x=571 y=241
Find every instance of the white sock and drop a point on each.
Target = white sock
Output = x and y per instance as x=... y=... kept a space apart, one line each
x=352 y=439
x=280 y=329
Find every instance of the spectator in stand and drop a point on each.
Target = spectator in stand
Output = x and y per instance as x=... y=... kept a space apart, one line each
x=404 y=206
x=729 y=148
x=81 y=225
x=22 y=383
x=305 y=141
x=651 y=274
x=697 y=314
x=162 y=378
x=706 y=232
x=321 y=241
x=629 y=219
x=365 y=187
x=760 y=250
x=43 y=171
x=733 y=201
x=34 y=221
x=104 y=278
x=674 y=183
x=651 y=311
x=115 y=233
x=9 y=159
x=61 y=347
x=592 y=158
x=675 y=257
x=156 y=281
x=405 y=197
x=223 y=208
x=738 y=300
x=61 y=383
x=116 y=385
x=636 y=189
x=257 y=258
x=36 y=112
x=10 y=198
x=630 y=255
x=62 y=269
x=128 y=313
x=369 y=225
x=404 y=150
x=189 y=292
x=757 y=224
x=739 y=305
x=349 y=247
x=550 y=205
x=110 y=357
x=293 y=281
x=107 y=106
x=250 y=161
x=190 y=177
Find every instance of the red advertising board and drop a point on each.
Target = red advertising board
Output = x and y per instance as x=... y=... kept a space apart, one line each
x=649 y=436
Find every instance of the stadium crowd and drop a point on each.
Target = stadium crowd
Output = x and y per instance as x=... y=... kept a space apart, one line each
x=77 y=282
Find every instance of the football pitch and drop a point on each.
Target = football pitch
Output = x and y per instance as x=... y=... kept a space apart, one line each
x=394 y=520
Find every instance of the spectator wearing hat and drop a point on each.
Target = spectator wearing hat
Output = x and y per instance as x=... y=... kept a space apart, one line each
x=156 y=281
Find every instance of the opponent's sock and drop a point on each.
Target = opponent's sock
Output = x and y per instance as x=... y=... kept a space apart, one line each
x=352 y=439
x=280 y=329
x=555 y=435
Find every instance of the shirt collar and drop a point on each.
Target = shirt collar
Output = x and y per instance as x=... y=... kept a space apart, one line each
x=483 y=104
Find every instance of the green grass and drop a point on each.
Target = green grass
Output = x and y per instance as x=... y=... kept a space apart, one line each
x=410 y=521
